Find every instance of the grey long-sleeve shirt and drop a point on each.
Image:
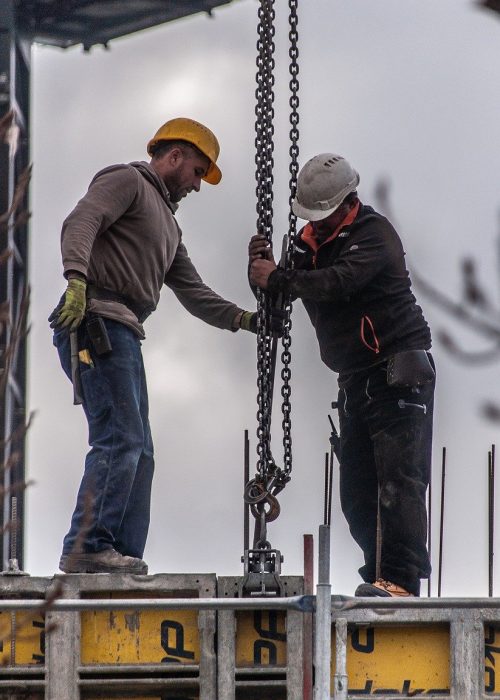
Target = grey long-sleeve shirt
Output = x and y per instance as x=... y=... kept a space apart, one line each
x=123 y=236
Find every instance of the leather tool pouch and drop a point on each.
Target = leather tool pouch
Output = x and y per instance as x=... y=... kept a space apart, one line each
x=409 y=368
x=98 y=334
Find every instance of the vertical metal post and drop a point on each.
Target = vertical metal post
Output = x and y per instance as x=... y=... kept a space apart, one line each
x=226 y=654
x=330 y=486
x=246 y=506
x=62 y=650
x=466 y=659
x=208 y=660
x=325 y=504
x=323 y=636
x=429 y=532
x=14 y=157
x=340 y=681
x=441 y=523
x=491 y=517
x=13 y=569
x=307 y=690
x=378 y=541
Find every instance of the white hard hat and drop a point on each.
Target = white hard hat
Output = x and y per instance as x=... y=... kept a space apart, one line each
x=322 y=185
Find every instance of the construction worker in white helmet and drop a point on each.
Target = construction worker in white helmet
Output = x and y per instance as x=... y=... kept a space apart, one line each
x=120 y=245
x=349 y=271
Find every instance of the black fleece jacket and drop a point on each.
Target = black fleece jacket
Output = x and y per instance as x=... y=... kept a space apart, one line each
x=357 y=292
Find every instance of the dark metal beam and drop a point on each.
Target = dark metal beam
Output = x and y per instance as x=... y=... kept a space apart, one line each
x=91 y=22
x=14 y=155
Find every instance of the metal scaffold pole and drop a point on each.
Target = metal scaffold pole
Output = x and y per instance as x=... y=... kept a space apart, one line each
x=15 y=60
x=323 y=652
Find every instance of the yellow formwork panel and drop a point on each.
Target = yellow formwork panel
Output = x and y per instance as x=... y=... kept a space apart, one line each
x=260 y=638
x=491 y=656
x=405 y=660
x=140 y=637
x=28 y=630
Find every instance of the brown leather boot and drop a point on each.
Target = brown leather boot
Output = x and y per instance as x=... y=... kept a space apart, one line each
x=108 y=561
x=382 y=589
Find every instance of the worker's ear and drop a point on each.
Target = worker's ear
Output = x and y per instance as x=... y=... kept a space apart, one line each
x=173 y=157
x=176 y=156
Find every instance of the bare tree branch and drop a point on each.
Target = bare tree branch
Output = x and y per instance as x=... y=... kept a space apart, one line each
x=484 y=326
x=5 y=123
x=19 y=194
x=465 y=356
x=476 y=310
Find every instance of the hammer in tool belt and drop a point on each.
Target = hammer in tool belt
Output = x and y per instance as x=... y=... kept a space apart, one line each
x=75 y=368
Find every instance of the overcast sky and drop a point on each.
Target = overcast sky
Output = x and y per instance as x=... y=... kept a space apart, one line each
x=409 y=91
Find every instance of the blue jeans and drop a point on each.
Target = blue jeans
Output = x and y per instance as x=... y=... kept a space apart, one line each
x=113 y=503
x=386 y=441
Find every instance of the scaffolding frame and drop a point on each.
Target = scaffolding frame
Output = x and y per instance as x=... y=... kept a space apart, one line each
x=15 y=63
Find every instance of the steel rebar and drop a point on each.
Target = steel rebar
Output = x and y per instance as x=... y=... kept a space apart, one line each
x=378 y=540
x=491 y=516
x=330 y=486
x=325 y=504
x=441 y=520
x=246 y=506
x=429 y=531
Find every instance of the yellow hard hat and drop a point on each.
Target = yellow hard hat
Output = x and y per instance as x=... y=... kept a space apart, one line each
x=195 y=133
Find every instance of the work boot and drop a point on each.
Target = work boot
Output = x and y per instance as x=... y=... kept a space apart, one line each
x=108 y=561
x=382 y=589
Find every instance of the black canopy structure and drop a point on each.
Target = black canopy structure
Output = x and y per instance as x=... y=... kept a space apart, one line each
x=65 y=23
x=58 y=23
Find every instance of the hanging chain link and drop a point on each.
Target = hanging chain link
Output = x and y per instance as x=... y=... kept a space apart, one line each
x=264 y=161
x=292 y=232
x=270 y=479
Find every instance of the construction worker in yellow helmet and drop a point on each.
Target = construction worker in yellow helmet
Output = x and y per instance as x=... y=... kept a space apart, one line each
x=120 y=245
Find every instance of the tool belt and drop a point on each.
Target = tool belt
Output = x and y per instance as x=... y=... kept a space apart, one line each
x=409 y=368
x=140 y=310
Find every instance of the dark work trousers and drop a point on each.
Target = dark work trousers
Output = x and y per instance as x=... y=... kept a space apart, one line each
x=386 y=441
x=113 y=503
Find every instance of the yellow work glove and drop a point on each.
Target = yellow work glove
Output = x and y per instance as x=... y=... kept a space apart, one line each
x=248 y=321
x=73 y=309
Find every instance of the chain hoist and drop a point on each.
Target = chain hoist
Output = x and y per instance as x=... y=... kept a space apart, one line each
x=270 y=479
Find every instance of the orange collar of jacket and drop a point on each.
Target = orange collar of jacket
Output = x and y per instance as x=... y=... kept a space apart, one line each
x=308 y=232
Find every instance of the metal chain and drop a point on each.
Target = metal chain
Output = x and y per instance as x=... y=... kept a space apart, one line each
x=264 y=161
x=292 y=232
x=271 y=479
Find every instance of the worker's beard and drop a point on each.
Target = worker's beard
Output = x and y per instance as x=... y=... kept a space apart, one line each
x=175 y=197
x=176 y=193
